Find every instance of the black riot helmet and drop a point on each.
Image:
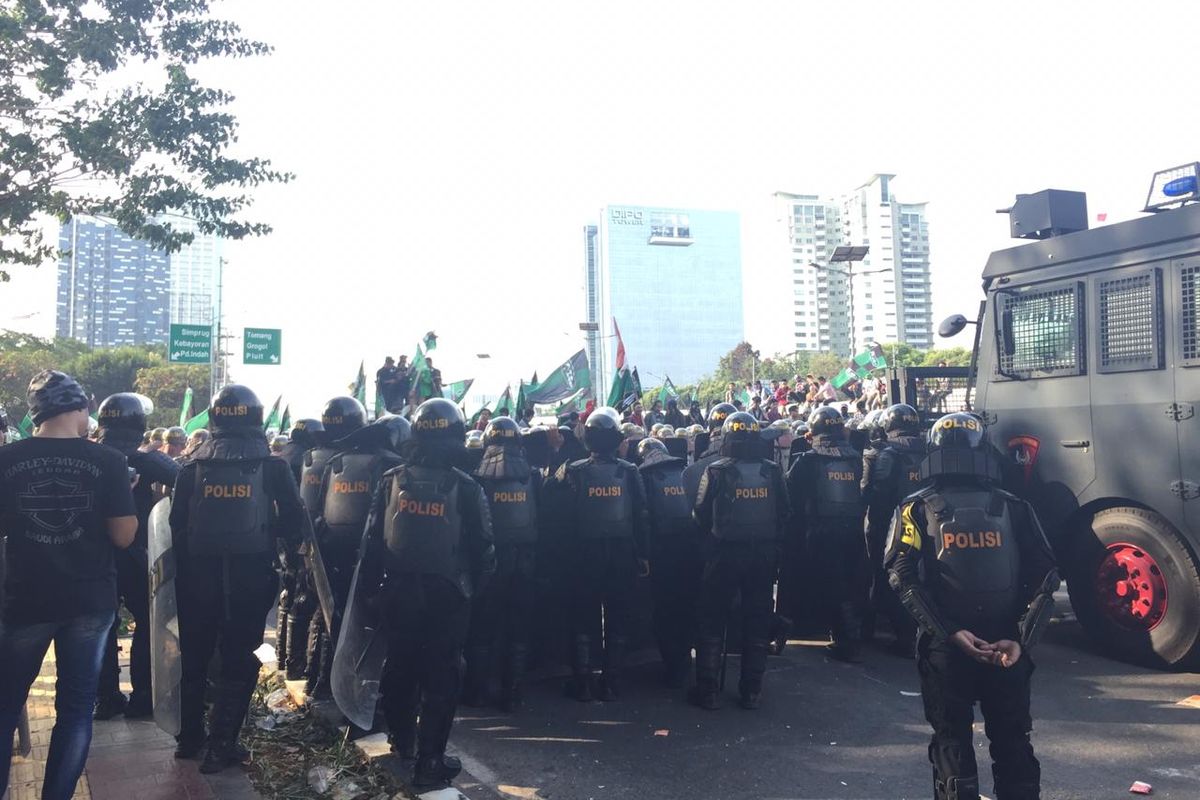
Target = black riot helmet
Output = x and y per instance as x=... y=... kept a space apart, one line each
x=716 y=417
x=958 y=447
x=900 y=419
x=398 y=430
x=826 y=421
x=52 y=393
x=439 y=422
x=602 y=431
x=307 y=433
x=653 y=451
x=502 y=432
x=740 y=427
x=343 y=416
x=122 y=411
x=236 y=408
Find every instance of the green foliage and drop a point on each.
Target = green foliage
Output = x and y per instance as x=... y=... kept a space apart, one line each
x=68 y=147
x=102 y=372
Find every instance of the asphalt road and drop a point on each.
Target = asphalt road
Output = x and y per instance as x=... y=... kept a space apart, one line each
x=830 y=730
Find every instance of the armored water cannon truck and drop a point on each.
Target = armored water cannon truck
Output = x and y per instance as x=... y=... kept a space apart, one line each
x=1086 y=367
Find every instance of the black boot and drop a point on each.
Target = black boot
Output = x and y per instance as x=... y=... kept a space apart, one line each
x=614 y=662
x=228 y=713
x=110 y=706
x=139 y=706
x=297 y=636
x=189 y=745
x=708 y=668
x=474 y=691
x=579 y=687
x=754 y=666
x=961 y=788
x=514 y=676
x=435 y=772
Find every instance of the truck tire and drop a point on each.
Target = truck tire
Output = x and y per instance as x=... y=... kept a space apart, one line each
x=1135 y=588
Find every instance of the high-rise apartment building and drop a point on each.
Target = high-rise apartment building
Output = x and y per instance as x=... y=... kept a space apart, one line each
x=886 y=297
x=672 y=278
x=114 y=289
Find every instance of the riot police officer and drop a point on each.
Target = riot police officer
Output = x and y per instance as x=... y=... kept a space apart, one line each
x=742 y=506
x=674 y=559
x=716 y=420
x=340 y=417
x=605 y=504
x=824 y=485
x=348 y=484
x=303 y=437
x=427 y=551
x=231 y=501
x=973 y=568
x=122 y=422
x=501 y=615
x=891 y=472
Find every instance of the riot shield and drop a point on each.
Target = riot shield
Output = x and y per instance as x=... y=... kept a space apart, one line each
x=316 y=571
x=359 y=658
x=166 y=667
x=677 y=446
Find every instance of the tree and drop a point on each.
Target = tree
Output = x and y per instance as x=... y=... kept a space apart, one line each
x=953 y=356
x=165 y=384
x=69 y=146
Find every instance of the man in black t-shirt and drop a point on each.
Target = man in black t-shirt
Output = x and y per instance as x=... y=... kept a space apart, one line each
x=65 y=508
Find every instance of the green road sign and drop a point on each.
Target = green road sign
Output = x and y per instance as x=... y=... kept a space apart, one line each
x=262 y=346
x=190 y=344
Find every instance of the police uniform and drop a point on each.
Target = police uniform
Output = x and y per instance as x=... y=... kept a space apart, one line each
x=501 y=616
x=230 y=502
x=742 y=506
x=891 y=472
x=340 y=416
x=303 y=437
x=971 y=564
x=675 y=562
x=122 y=421
x=348 y=485
x=824 y=485
x=427 y=551
x=605 y=506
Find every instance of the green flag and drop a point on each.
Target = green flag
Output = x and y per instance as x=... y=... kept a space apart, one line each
x=186 y=411
x=556 y=409
x=380 y=409
x=273 y=419
x=563 y=382
x=456 y=391
x=430 y=341
x=285 y=424
x=26 y=426
x=862 y=365
x=422 y=374
x=360 y=384
x=623 y=392
x=197 y=422
x=504 y=401
x=667 y=392
x=519 y=404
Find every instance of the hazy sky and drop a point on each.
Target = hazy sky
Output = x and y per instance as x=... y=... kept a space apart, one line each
x=448 y=153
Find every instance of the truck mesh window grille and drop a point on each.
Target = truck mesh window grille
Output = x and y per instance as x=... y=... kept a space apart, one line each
x=1045 y=333
x=1130 y=322
x=1190 y=313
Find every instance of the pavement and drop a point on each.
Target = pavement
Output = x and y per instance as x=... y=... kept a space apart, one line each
x=831 y=730
x=826 y=730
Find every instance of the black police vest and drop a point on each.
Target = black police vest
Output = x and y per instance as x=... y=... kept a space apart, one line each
x=347 y=498
x=514 y=513
x=837 y=493
x=744 y=508
x=310 y=477
x=423 y=524
x=229 y=512
x=978 y=560
x=668 y=500
x=604 y=506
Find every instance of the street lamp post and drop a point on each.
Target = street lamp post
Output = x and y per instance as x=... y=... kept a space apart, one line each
x=849 y=255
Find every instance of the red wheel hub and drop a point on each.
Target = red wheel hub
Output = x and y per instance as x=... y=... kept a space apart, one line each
x=1131 y=589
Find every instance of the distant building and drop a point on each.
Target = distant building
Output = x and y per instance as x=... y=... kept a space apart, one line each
x=116 y=290
x=112 y=289
x=672 y=278
x=892 y=297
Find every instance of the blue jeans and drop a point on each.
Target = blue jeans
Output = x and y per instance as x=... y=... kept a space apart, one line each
x=78 y=647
